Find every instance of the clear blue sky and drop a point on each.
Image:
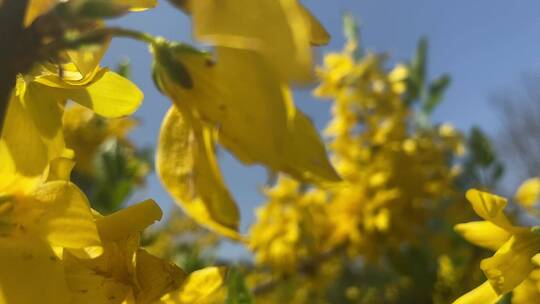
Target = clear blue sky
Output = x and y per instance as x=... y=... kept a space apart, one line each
x=483 y=44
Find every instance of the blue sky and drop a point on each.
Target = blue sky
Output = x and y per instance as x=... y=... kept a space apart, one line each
x=484 y=45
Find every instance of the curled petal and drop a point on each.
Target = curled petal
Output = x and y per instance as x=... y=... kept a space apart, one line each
x=187 y=167
x=482 y=294
x=130 y=220
x=483 y=234
x=490 y=207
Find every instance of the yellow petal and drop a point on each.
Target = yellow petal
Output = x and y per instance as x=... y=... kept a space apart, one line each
x=109 y=95
x=60 y=169
x=60 y=213
x=90 y=285
x=482 y=294
x=187 y=166
x=304 y=154
x=87 y=59
x=483 y=234
x=536 y=259
x=319 y=35
x=243 y=24
x=32 y=121
x=529 y=192
x=137 y=5
x=245 y=102
x=37 y=8
x=127 y=221
x=241 y=97
x=155 y=277
x=199 y=286
x=511 y=264
x=527 y=292
x=31 y=273
x=490 y=207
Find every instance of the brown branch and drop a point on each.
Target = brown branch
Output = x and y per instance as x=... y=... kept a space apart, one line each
x=12 y=13
x=307 y=268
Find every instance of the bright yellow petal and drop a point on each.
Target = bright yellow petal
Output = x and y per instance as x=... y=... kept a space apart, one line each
x=483 y=234
x=155 y=277
x=199 y=286
x=482 y=294
x=536 y=259
x=90 y=285
x=511 y=264
x=490 y=207
x=32 y=137
x=526 y=293
x=109 y=95
x=136 y=5
x=304 y=154
x=31 y=273
x=87 y=59
x=319 y=35
x=60 y=213
x=187 y=166
x=127 y=221
x=254 y=108
x=37 y=8
x=529 y=192
x=243 y=24
x=60 y=169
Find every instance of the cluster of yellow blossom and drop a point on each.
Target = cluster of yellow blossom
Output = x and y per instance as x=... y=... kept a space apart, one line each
x=395 y=174
x=292 y=227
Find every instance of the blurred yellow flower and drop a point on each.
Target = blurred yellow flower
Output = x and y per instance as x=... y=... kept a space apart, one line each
x=515 y=248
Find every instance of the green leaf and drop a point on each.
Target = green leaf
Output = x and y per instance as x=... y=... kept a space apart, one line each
x=124 y=68
x=498 y=171
x=350 y=27
x=417 y=68
x=436 y=91
x=420 y=62
x=237 y=293
x=481 y=148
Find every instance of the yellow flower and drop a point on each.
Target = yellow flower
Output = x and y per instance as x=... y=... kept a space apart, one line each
x=243 y=24
x=37 y=226
x=34 y=117
x=529 y=192
x=291 y=228
x=237 y=100
x=124 y=273
x=515 y=248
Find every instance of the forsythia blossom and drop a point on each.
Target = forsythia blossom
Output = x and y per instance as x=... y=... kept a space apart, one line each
x=514 y=266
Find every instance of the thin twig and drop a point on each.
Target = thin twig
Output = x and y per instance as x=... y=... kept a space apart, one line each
x=95 y=36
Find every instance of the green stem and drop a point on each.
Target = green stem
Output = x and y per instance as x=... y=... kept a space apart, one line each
x=95 y=36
